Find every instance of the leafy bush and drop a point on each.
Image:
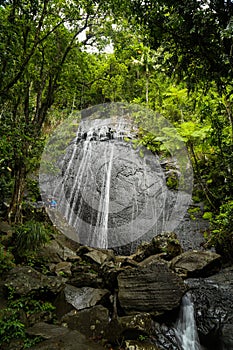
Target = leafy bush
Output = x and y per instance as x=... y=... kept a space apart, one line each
x=221 y=236
x=30 y=236
x=11 y=326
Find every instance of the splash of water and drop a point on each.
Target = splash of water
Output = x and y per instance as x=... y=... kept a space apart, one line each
x=186 y=329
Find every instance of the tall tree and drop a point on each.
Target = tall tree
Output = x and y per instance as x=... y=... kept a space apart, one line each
x=37 y=39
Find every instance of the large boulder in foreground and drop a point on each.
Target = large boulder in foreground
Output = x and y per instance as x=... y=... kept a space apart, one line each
x=196 y=264
x=153 y=288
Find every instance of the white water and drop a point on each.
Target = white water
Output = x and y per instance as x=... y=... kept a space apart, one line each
x=78 y=182
x=101 y=228
x=186 y=329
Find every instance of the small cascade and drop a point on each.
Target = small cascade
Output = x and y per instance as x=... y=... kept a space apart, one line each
x=186 y=329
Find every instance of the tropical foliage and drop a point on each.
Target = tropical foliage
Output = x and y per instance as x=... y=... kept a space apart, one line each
x=59 y=57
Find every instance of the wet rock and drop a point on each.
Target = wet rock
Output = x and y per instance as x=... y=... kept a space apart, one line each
x=212 y=298
x=26 y=279
x=91 y=322
x=165 y=243
x=66 y=340
x=153 y=288
x=196 y=263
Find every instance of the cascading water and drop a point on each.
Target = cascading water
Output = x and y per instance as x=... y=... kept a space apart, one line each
x=186 y=329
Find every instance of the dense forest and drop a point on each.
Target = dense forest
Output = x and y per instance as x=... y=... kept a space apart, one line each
x=60 y=57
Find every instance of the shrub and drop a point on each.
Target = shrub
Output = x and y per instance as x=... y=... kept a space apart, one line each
x=30 y=236
x=11 y=328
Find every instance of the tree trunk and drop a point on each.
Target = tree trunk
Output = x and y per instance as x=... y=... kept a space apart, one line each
x=15 y=209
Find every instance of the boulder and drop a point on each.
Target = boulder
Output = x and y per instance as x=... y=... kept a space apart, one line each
x=196 y=264
x=153 y=288
x=25 y=279
x=99 y=256
x=141 y=323
x=95 y=256
x=47 y=331
x=78 y=298
x=61 y=338
x=91 y=322
x=55 y=251
x=212 y=298
x=166 y=243
x=86 y=279
x=85 y=274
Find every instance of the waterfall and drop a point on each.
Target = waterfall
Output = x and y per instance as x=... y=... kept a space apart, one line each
x=185 y=328
x=111 y=191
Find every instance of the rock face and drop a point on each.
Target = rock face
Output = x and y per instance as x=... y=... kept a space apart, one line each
x=193 y=263
x=153 y=288
x=214 y=309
